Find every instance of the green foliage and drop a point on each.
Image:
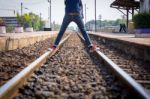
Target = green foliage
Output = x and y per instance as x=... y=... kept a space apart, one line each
x=142 y=20
x=10 y=29
x=70 y=28
x=31 y=20
x=42 y=25
x=56 y=27
x=103 y=23
x=20 y=20
x=2 y=23
x=27 y=20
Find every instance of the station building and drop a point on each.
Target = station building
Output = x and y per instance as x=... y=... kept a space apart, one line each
x=10 y=21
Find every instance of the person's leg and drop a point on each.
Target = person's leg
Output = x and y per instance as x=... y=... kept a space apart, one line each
x=78 y=20
x=65 y=23
x=124 y=29
x=120 y=29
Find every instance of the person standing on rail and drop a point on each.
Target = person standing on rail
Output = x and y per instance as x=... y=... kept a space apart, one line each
x=74 y=12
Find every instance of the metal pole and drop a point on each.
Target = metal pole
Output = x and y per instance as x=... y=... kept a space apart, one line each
x=40 y=20
x=132 y=13
x=127 y=18
x=50 y=16
x=85 y=13
x=100 y=17
x=95 y=18
x=14 y=12
x=50 y=13
x=21 y=8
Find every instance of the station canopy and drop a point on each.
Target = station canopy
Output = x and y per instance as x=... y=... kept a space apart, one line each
x=126 y=4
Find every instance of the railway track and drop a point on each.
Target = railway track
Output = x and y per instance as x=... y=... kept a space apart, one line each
x=70 y=74
x=11 y=86
x=137 y=69
x=120 y=72
x=12 y=62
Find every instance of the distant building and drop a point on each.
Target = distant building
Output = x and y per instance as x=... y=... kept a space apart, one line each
x=10 y=21
x=145 y=6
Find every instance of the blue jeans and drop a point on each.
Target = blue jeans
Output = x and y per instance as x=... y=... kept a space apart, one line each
x=66 y=21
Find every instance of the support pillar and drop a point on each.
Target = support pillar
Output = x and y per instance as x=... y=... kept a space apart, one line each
x=132 y=13
x=127 y=17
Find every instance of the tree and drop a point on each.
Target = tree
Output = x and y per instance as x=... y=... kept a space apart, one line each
x=31 y=20
x=102 y=23
x=42 y=25
x=27 y=20
x=2 y=23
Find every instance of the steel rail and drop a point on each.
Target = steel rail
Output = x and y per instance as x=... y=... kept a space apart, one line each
x=10 y=88
x=125 y=77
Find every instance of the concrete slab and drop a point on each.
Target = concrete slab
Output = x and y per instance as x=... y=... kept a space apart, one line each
x=2 y=43
x=11 y=41
x=125 y=37
x=127 y=43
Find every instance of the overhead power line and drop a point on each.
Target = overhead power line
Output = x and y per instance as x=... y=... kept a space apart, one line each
x=14 y=10
x=35 y=3
x=7 y=9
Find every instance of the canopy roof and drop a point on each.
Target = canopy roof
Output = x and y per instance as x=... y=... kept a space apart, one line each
x=125 y=4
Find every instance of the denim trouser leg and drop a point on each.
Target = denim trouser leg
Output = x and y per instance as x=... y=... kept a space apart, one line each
x=78 y=20
x=64 y=25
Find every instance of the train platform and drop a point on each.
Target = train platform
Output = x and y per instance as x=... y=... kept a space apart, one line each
x=11 y=41
x=125 y=37
x=128 y=43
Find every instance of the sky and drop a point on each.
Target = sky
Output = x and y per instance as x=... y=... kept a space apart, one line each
x=41 y=6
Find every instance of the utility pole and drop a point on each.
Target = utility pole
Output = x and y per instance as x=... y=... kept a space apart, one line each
x=95 y=18
x=100 y=17
x=14 y=12
x=21 y=8
x=85 y=13
x=50 y=13
x=40 y=21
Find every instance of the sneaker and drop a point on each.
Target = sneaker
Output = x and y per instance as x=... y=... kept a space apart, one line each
x=52 y=48
x=93 y=48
